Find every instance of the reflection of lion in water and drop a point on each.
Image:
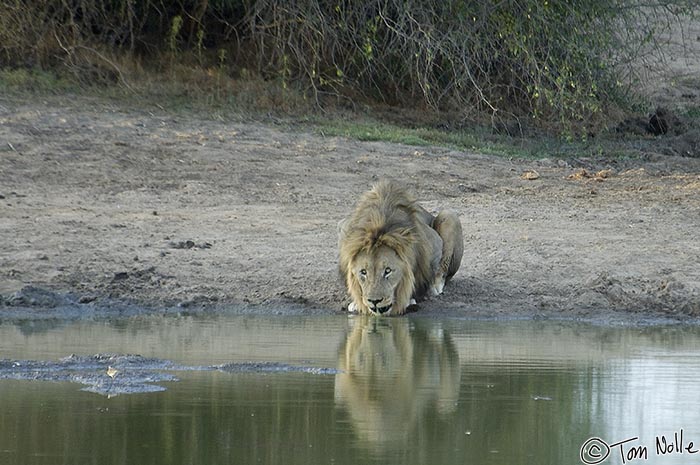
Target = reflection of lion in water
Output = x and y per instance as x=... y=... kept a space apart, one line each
x=393 y=251
x=393 y=373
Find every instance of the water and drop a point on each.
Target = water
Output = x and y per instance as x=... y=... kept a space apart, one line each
x=409 y=391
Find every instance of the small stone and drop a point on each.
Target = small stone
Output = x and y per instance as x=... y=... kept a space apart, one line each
x=86 y=299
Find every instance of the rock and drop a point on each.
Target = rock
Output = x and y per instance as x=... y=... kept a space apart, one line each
x=120 y=276
x=32 y=296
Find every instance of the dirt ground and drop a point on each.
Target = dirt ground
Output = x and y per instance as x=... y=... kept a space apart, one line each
x=105 y=208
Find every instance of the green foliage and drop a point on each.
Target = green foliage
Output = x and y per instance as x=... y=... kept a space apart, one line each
x=546 y=61
x=373 y=130
x=175 y=26
x=32 y=80
x=475 y=139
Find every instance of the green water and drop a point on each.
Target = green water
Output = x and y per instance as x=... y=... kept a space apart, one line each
x=410 y=391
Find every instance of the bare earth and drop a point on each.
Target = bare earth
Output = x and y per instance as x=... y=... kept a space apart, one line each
x=105 y=208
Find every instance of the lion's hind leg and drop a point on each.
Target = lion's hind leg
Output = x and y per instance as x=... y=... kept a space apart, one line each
x=449 y=228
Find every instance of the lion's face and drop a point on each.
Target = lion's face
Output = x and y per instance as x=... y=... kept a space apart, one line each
x=379 y=272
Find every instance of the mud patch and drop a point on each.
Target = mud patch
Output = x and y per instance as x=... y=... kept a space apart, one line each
x=33 y=296
x=117 y=374
x=106 y=374
x=272 y=367
x=639 y=294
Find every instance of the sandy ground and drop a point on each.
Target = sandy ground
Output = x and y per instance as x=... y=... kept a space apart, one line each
x=108 y=207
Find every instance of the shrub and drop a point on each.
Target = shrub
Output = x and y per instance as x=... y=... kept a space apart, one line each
x=548 y=60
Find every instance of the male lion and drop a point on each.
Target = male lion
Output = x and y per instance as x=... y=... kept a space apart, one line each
x=392 y=251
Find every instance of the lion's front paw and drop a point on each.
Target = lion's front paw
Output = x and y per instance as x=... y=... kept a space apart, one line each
x=411 y=307
x=438 y=285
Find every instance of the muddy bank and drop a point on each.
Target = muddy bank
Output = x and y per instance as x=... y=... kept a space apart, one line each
x=117 y=374
x=108 y=210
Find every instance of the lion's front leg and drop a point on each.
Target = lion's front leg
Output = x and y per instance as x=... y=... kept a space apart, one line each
x=449 y=228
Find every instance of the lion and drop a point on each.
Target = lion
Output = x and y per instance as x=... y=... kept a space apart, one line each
x=393 y=252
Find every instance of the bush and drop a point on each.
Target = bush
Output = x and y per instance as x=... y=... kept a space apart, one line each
x=548 y=60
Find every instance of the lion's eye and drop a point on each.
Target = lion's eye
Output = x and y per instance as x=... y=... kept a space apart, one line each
x=387 y=271
x=363 y=272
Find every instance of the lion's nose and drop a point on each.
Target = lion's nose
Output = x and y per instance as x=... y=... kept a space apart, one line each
x=374 y=302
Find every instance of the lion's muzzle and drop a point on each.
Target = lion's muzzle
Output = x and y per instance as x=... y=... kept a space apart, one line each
x=375 y=308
